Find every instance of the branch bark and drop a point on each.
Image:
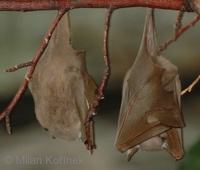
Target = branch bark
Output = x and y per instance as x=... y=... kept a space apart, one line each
x=32 y=5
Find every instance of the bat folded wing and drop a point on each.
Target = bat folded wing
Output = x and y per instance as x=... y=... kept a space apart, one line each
x=150 y=115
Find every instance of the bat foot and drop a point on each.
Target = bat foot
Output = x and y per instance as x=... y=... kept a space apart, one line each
x=90 y=145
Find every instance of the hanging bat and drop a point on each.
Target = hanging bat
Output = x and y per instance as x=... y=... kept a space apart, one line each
x=61 y=87
x=150 y=115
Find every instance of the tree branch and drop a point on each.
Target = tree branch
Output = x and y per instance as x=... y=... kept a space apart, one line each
x=32 y=5
x=189 y=88
x=100 y=95
x=178 y=33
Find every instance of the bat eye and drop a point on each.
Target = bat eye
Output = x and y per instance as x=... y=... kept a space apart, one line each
x=194 y=5
x=162 y=138
x=45 y=129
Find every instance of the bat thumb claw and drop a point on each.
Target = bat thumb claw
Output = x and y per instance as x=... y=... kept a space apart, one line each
x=131 y=152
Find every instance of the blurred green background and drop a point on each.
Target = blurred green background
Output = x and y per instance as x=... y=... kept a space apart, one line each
x=20 y=37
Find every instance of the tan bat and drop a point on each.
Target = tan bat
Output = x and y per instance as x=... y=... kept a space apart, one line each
x=150 y=115
x=61 y=87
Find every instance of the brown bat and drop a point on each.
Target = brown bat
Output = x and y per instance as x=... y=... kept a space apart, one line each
x=61 y=87
x=150 y=115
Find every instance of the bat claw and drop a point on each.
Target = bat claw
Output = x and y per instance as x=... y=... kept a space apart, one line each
x=90 y=145
x=131 y=152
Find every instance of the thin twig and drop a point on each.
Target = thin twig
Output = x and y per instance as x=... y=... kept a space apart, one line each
x=189 y=88
x=22 y=88
x=100 y=95
x=178 y=23
x=181 y=31
x=18 y=66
